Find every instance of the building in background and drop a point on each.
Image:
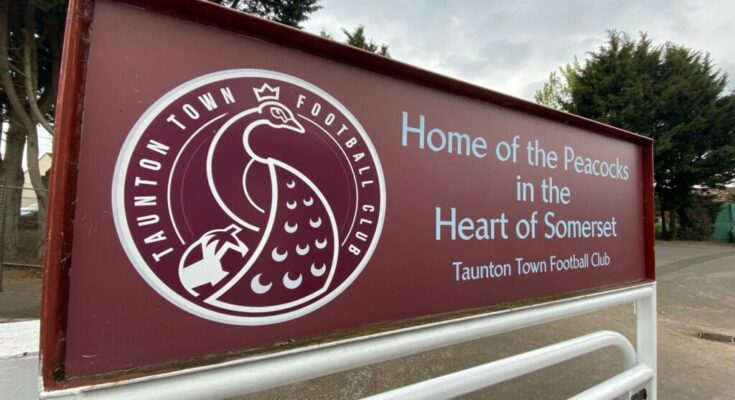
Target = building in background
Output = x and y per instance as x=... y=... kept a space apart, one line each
x=29 y=196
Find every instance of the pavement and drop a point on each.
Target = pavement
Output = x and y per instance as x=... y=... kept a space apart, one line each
x=20 y=298
x=696 y=293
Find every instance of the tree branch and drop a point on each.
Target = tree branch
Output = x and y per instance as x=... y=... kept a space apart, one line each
x=6 y=80
x=29 y=54
x=49 y=96
x=17 y=109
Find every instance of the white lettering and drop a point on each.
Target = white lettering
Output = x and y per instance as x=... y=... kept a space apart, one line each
x=158 y=256
x=172 y=118
x=159 y=148
x=148 y=220
x=208 y=101
x=144 y=201
x=190 y=111
x=227 y=95
x=150 y=164
x=156 y=237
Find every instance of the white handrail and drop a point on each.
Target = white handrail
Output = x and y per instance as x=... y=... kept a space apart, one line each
x=476 y=378
x=234 y=378
x=618 y=385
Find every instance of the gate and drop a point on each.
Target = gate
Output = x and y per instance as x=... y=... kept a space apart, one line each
x=725 y=224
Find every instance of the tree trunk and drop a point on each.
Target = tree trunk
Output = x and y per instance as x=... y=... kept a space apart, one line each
x=30 y=64
x=20 y=88
x=674 y=223
x=34 y=173
x=664 y=231
x=13 y=172
x=683 y=219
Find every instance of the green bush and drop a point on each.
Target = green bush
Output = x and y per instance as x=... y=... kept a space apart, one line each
x=698 y=217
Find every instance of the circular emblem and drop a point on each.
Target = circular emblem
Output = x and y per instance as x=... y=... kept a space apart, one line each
x=248 y=197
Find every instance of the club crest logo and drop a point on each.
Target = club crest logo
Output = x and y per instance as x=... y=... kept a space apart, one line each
x=248 y=197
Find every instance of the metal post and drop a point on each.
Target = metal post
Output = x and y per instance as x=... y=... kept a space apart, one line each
x=646 y=339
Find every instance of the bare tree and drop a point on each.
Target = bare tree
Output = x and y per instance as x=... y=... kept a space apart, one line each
x=30 y=51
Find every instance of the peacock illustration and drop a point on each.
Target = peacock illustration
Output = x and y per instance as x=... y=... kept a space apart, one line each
x=296 y=255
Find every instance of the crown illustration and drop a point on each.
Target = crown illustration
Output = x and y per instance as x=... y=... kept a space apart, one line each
x=266 y=92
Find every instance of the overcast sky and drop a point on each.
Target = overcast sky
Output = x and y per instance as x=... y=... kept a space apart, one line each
x=512 y=46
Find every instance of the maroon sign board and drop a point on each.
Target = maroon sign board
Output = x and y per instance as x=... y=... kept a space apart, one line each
x=227 y=186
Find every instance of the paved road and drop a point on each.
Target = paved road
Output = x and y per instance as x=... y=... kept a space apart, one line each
x=696 y=292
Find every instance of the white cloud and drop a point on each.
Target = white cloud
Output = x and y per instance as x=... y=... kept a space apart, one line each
x=511 y=46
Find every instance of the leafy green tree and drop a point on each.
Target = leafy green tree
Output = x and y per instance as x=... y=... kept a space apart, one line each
x=698 y=217
x=30 y=53
x=289 y=12
x=555 y=92
x=358 y=39
x=670 y=93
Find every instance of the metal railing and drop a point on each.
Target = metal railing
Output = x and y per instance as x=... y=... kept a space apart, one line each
x=235 y=378
x=476 y=378
x=20 y=229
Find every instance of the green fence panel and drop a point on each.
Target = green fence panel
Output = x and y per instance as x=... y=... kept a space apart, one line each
x=725 y=224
